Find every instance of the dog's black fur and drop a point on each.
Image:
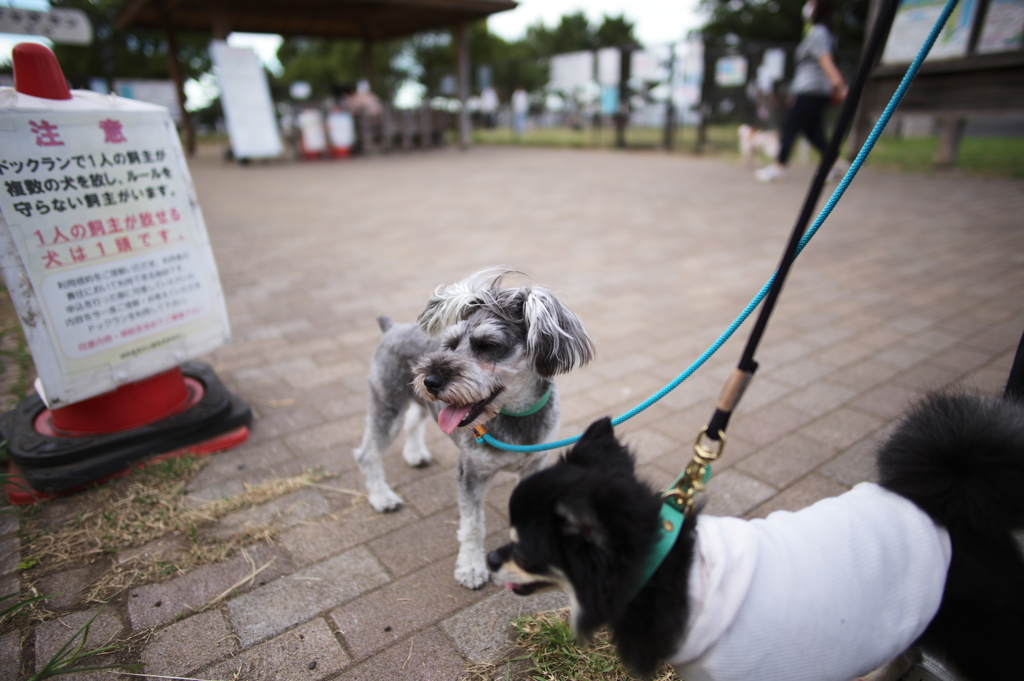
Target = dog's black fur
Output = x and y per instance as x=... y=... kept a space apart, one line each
x=587 y=523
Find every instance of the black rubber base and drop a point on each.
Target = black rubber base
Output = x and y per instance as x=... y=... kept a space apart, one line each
x=57 y=464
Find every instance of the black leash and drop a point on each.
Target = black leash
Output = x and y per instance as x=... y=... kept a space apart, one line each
x=744 y=372
x=1015 y=383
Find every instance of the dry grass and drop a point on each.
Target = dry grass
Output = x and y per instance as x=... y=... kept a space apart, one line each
x=150 y=504
x=547 y=650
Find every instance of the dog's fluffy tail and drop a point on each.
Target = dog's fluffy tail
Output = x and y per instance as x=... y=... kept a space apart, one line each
x=960 y=458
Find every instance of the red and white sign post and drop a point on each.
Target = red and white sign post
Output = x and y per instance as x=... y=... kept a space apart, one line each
x=107 y=259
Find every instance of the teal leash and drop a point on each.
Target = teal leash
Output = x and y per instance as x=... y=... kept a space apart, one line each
x=678 y=499
x=485 y=438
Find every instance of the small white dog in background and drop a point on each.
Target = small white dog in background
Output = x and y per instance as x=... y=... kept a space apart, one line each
x=753 y=141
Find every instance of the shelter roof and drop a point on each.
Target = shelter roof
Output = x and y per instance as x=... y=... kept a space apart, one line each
x=361 y=19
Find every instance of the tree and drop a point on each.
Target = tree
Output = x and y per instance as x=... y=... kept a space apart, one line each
x=777 y=21
x=126 y=53
x=329 y=65
x=574 y=33
x=513 y=64
x=616 y=32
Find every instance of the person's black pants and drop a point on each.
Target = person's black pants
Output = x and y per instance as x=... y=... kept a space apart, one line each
x=807 y=116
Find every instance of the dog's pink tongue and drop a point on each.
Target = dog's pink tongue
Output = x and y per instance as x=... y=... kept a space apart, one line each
x=450 y=417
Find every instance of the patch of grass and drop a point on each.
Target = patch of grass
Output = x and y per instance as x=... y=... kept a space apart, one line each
x=17 y=371
x=547 y=650
x=989 y=156
x=986 y=156
x=720 y=138
x=141 y=508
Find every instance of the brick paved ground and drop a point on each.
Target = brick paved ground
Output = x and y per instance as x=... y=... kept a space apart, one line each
x=914 y=283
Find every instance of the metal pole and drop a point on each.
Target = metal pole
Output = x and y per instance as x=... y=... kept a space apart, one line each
x=462 y=66
x=670 y=107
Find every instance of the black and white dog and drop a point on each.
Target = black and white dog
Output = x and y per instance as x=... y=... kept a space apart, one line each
x=479 y=354
x=924 y=560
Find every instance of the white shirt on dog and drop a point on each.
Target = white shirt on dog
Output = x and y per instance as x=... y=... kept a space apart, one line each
x=828 y=593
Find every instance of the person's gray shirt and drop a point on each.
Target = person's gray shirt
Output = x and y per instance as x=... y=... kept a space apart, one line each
x=809 y=78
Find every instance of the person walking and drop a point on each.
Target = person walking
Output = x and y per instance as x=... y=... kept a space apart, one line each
x=817 y=82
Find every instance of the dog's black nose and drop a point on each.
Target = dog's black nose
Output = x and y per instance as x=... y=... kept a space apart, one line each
x=433 y=382
x=495 y=560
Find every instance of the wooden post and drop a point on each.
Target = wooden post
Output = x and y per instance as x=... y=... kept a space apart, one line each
x=387 y=128
x=622 y=118
x=951 y=131
x=367 y=63
x=670 y=109
x=461 y=36
x=426 y=129
x=174 y=67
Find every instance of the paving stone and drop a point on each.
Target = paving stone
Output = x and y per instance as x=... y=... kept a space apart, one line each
x=51 y=636
x=10 y=655
x=376 y=621
x=65 y=588
x=887 y=401
x=10 y=556
x=842 y=427
x=857 y=464
x=425 y=656
x=10 y=519
x=315 y=541
x=768 y=424
x=432 y=494
x=734 y=493
x=863 y=375
x=306 y=653
x=168 y=548
x=157 y=604
x=192 y=643
x=249 y=457
x=289 y=510
x=270 y=609
x=864 y=311
x=420 y=543
x=801 y=494
x=787 y=460
x=483 y=632
x=820 y=398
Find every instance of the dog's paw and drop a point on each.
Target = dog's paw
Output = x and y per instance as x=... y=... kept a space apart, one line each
x=417 y=457
x=385 y=500
x=472 y=576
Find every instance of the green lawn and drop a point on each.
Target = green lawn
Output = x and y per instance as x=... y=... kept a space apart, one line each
x=989 y=156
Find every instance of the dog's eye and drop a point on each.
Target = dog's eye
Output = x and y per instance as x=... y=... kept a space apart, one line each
x=482 y=345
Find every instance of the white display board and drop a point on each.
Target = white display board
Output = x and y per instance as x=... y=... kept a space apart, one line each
x=341 y=129
x=160 y=92
x=102 y=242
x=67 y=26
x=245 y=97
x=914 y=21
x=571 y=71
x=1003 y=29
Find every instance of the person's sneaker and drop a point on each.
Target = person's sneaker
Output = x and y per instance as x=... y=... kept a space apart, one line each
x=769 y=173
x=838 y=170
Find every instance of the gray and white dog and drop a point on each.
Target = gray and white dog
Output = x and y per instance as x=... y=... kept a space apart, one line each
x=479 y=354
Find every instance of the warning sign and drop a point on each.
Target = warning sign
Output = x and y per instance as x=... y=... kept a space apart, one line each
x=104 y=247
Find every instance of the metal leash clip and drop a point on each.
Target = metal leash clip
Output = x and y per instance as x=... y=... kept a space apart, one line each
x=698 y=471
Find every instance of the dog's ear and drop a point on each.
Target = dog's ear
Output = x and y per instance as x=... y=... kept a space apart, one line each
x=556 y=340
x=451 y=304
x=579 y=519
x=598 y=447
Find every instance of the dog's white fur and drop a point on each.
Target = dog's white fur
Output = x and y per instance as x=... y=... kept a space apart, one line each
x=753 y=142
